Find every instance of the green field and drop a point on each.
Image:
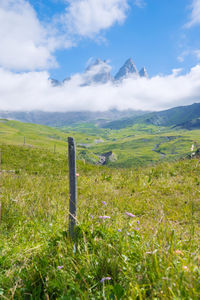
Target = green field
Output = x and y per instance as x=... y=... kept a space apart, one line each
x=140 y=144
x=135 y=146
x=153 y=252
x=41 y=136
x=154 y=255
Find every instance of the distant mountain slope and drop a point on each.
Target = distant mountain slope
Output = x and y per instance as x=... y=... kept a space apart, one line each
x=178 y=116
x=59 y=119
x=190 y=125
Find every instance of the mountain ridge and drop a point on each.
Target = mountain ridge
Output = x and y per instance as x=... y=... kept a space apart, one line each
x=187 y=117
x=180 y=116
x=59 y=119
x=100 y=72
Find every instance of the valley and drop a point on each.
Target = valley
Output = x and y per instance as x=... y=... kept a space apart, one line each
x=138 y=145
x=138 y=212
x=134 y=138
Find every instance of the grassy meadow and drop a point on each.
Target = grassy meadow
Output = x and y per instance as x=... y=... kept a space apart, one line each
x=138 y=232
x=147 y=247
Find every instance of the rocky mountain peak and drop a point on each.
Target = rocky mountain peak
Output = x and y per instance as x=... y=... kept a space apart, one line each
x=97 y=62
x=126 y=70
x=97 y=72
x=143 y=72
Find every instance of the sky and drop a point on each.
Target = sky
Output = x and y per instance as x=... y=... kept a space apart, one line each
x=42 y=39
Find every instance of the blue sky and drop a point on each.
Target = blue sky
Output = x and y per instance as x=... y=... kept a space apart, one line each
x=42 y=39
x=153 y=34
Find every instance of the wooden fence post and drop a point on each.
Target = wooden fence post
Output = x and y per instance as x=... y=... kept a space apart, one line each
x=0 y=171
x=24 y=140
x=0 y=160
x=54 y=148
x=72 y=187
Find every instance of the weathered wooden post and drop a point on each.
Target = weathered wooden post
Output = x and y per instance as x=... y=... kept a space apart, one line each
x=24 y=140
x=0 y=159
x=72 y=187
x=0 y=171
x=54 y=148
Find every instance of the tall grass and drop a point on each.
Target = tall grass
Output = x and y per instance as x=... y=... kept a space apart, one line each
x=148 y=248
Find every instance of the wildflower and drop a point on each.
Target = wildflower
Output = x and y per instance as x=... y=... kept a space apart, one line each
x=138 y=222
x=192 y=148
x=103 y=202
x=119 y=230
x=104 y=217
x=130 y=214
x=50 y=224
x=105 y=278
x=77 y=174
x=185 y=268
x=14 y=200
x=179 y=252
x=60 y=267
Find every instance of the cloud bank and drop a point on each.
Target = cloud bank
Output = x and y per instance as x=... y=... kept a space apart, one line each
x=33 y=91
x=29 y=45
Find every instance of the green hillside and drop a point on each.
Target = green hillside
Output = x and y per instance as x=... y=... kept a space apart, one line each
x=148 y=248
x=14 y=132
x=138 y=145
x=182 y=116
x=33 y=135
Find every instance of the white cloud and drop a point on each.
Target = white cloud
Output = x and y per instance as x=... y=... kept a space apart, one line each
x=190 y=52
x=184 y=54
x=89 y=17
x=27 y=44
x=139 y=3
x=195 y=14
x=33 y=90
x=24 y=41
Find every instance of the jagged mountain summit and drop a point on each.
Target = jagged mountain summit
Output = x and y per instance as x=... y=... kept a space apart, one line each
x=99 y=72
x=143 y=72
x=127 y=70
